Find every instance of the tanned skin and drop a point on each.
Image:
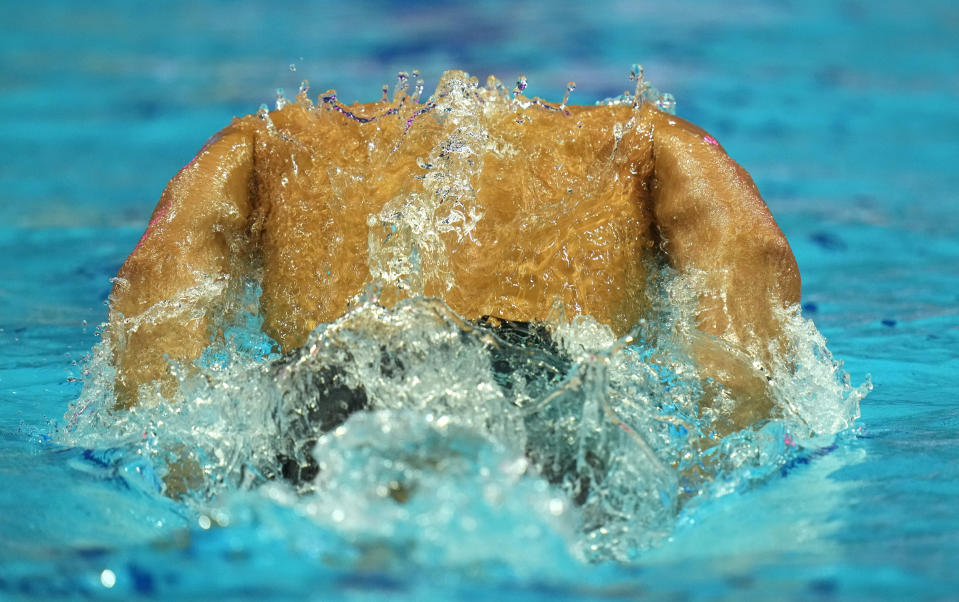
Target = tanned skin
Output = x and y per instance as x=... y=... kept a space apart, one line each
x=574 y=204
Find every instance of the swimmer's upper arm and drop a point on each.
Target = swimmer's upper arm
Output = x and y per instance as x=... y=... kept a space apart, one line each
x=713 y=222
x=715 y=227
x=167 y=289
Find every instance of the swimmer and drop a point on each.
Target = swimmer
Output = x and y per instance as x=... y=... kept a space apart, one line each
x=499 y=205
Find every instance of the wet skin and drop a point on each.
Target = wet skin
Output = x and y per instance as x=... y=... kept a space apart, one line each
x=542 y=206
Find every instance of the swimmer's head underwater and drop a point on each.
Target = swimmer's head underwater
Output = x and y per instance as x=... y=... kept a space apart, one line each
x=497 y=204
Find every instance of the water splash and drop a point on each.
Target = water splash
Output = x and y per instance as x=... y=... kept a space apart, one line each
x=464 y=439
x=455 y=428
x=643 y=92
x=408 y=252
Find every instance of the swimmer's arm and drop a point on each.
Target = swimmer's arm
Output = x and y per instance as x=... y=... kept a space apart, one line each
x=174 y=279
x=715 y=226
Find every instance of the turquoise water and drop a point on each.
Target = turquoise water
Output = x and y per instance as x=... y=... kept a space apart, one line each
x=843 y=112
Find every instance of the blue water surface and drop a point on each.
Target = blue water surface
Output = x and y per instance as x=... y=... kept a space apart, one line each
x=844 y=112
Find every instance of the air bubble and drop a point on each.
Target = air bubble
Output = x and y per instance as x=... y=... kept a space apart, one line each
x=280 y=99
x=292 y=67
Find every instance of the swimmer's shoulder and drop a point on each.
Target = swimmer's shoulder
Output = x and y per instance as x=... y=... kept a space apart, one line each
x=646 y=117
x=676 y=130
x=652 y=125
x=679 y=145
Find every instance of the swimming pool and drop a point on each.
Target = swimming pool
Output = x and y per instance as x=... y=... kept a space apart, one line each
x=843 y=113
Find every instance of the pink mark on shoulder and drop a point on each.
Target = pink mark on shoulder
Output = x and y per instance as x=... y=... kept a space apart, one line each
x=710 y=140
x=152 y=224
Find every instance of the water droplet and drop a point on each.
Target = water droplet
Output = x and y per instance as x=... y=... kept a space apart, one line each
x=667 y=103
x=520 y=85
x=402 y=85
x=569 y=89
x=280 y=98
x=292 y=67
x=262 y=111
x=303 y=95
x=638 y=74
x=418 y=89
x=108 y=578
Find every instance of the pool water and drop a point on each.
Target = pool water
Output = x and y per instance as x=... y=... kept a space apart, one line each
x=843 y=112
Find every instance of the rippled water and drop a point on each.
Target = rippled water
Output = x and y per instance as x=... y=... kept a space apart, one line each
x=868 y=514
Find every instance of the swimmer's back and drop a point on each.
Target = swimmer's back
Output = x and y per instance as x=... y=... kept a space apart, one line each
x=498 y=212
x=504 y=214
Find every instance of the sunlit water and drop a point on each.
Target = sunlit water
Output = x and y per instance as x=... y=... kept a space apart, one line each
x=865 y=513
